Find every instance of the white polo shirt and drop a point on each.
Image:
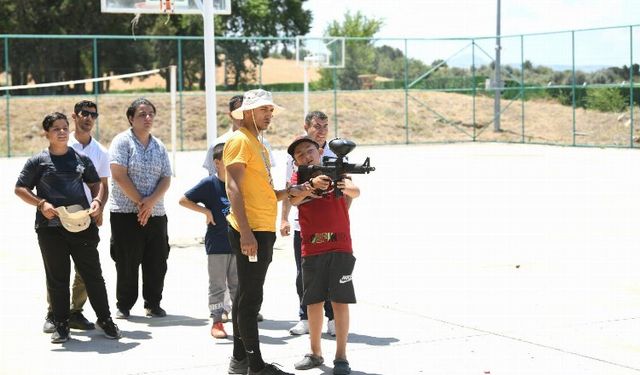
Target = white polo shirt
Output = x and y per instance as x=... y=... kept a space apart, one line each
x=99 y=157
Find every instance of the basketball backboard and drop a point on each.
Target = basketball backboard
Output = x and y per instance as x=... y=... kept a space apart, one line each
x=163 y=6
x=324 y=52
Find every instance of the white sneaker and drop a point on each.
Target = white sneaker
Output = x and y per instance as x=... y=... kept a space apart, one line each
x=331 y=327
x=301 y=328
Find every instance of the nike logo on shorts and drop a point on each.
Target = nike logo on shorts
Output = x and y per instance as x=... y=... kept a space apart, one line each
x=345 y=279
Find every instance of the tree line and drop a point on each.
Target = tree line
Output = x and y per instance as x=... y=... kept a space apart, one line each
x=69 y=59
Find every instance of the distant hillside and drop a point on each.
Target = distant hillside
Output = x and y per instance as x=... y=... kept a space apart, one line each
x=367 y=117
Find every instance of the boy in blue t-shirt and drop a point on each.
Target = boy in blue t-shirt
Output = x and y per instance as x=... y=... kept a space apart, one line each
x=211 y=193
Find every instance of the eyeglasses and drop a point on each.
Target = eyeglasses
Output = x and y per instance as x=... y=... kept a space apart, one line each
x=85 y=113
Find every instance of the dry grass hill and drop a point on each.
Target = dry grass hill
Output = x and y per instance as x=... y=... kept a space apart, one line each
x=367 y=117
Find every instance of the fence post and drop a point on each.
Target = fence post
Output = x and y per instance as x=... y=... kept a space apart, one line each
x=573 y=83
x=95 y=84
x=406 y=92
x=474 y=92
x=631 y=103
x=335 y=101
x=522 y=86
x=7 y=71
x=180 y=75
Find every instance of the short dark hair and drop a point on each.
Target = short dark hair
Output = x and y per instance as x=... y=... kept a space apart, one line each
x=84 y=104
x=51 y=118
x=217 y=151
x=137 y=103
x=314 y=114
x=235 y=102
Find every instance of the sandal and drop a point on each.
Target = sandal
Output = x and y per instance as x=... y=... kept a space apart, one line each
x=309 y=361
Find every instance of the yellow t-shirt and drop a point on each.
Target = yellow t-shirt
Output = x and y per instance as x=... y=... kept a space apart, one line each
x=260 y=202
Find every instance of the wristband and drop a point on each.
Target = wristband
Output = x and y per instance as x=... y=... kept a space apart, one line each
x=97 y=200
x=311 y=182
x=40 y=204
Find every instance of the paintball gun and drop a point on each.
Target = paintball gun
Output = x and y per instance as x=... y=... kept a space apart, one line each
x=335 y=167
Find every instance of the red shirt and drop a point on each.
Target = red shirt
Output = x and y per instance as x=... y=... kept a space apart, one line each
x=325 y=226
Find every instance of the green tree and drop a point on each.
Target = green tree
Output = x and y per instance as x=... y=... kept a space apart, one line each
x=57 y=59
x=360 y=54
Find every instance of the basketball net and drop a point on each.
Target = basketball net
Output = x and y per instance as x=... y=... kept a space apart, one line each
x=166 y=6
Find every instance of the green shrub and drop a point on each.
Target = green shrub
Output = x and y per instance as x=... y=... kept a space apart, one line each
x=606 y=99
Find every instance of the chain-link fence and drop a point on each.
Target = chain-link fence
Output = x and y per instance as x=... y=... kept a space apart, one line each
x=565 y=88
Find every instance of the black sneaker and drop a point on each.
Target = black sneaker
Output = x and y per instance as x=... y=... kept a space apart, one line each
x=78 y=321
x=109 y=329
x=155 y=312
x=269 y=369
x=61 y=333
x=122 y=314
x=49 y=326
x=238 y=367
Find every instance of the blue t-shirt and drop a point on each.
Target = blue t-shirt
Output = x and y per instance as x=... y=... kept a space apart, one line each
x=211 y=192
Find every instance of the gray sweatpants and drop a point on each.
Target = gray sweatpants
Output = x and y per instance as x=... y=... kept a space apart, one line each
x=223 y=277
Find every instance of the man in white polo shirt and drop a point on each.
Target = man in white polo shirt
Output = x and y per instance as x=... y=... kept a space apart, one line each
x=84 y=117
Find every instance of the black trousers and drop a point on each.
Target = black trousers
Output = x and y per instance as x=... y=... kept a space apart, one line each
x=56 y=245
x=248 y=301
x=297 y=252
x=133 y=245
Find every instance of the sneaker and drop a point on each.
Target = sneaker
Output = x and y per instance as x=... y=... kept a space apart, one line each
x=331 y=327
x=217 y=331
x=78 y=321
x=122 y=314
x=309 y=361
x=49 y=326
x=226 y=317
x=60 y=333
x=301 y=328
x=341 y=367
x=155 y=312
x=238 y=367
x=109 y=329
x=260 y=317
x=269 y=369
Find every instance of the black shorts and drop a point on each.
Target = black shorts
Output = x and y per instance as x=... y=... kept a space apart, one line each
x=328 y=276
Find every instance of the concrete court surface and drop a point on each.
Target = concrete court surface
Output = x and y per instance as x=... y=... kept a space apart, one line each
x=472 y=259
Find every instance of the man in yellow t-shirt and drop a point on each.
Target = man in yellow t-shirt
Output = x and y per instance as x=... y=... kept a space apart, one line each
x=252 y=225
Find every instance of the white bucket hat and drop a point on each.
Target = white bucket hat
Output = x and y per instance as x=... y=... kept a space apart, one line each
x=74 y=218
x=253 y=99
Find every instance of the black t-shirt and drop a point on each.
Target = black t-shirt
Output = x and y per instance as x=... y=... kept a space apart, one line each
x=58 y=179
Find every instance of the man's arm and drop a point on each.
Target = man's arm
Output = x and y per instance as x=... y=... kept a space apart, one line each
x=45 y=207
x=97 y=193
x=147 y=203
x=235 y=176
x=121 y=177
x=285 y=227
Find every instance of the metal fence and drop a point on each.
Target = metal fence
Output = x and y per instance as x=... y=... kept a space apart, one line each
x=574 y=88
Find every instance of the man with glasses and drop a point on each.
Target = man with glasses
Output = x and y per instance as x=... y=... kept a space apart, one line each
x=316 y=127
x=84 y=116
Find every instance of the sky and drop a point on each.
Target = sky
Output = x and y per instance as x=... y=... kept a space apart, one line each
x=477 y=18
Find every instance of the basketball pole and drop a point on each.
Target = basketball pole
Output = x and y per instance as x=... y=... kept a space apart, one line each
x=498 y=77
x=210 y=70
x=172 y=85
